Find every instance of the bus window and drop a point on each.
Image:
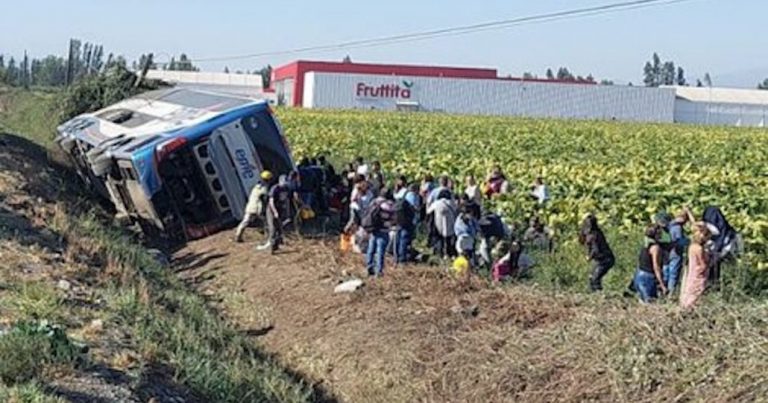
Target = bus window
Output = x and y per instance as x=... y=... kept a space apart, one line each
x=263 y=131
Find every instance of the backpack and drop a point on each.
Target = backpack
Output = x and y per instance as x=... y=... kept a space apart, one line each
x=404 y=214
x=371 y=220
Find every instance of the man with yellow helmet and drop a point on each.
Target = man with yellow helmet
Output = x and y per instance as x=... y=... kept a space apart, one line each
x=257 y=201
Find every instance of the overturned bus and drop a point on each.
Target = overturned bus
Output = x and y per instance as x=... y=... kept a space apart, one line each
x=180 y=163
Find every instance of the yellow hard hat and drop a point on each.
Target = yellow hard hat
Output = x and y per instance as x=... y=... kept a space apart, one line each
x=460 y=266
x=266 y=175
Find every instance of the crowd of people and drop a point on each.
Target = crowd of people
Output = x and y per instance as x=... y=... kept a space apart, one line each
x=380 y=218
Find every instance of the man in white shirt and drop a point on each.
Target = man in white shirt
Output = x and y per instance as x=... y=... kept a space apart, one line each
x=256 y=203
x=361 y=168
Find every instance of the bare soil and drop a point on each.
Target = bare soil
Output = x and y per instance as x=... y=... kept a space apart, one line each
x=415 y=334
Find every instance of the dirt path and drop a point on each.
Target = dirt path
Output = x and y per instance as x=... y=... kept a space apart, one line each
x=413 y=335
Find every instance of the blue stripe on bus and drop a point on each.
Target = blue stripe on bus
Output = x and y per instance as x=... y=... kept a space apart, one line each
x=144 y=158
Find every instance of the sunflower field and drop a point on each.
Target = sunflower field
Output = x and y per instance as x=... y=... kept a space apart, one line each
x=623 y=172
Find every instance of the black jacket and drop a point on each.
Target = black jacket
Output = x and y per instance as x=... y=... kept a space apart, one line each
x=597 y=247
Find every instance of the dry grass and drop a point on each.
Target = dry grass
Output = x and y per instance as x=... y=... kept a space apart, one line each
x=419 y=335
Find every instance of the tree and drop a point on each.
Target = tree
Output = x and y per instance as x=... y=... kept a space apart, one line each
x=657 y=67
x=657 y=72
x=760 y=86
x=139 y=64
x=528 y=76
x=668 y=72
x=649 y=78
x=698 y=83
x=564 y=75
x=73 y=60
x=606 y=82
x=652 y=72
x=707 y=80
x=266 y=76
x=550 y=74
x=25 y=71
x=226 y=70
x=183 y=64
x=11 y=72
x=681 y=77
x=346 y=59
x=50 y=71
x=116 y=62
x=97 y=60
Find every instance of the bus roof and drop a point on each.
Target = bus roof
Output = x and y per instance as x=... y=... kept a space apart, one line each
x=153 y=113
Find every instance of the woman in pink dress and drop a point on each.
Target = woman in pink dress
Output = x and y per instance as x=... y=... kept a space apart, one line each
x=696 y=279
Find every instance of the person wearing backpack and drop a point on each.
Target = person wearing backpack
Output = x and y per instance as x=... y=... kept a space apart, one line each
x=255 y=208
x=405 y=220
x=377 y=221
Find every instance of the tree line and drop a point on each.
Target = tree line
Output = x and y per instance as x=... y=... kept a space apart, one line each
x=565 y=75
x=85 y=59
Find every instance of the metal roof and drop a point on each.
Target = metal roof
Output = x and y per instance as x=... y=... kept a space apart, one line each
x=155 y=112
x=722 y=95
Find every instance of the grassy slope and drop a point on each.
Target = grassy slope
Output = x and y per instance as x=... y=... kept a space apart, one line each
x=29 y=112
x=169 y=325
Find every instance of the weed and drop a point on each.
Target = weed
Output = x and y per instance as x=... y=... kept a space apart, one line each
x=27 y=393
x=37 y=300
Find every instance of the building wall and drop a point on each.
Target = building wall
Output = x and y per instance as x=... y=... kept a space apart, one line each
x=248 y=85
x=718 y=113
x=295 y=74
x=489 y=97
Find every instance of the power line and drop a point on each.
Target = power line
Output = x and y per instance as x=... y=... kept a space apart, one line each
x=460 y=30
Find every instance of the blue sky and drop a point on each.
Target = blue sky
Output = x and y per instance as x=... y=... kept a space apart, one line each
x=728 y=38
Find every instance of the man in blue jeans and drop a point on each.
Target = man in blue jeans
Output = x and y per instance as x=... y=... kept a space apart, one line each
x=679 y=243
x=406 y=207
x=377 y=221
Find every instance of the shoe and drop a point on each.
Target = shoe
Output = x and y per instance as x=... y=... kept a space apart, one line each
x=265 y=246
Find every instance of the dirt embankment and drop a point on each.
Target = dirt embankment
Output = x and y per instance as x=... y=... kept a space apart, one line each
x=418 y=335
x=48 y=277
x=413 y=335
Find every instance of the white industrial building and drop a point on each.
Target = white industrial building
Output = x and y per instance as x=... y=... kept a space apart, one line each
x=248 y=85
x=480 y=91
x=721 y=106
x=488 y=97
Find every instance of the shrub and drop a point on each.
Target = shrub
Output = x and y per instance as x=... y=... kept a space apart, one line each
x=29 y=346
x=23 y=356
